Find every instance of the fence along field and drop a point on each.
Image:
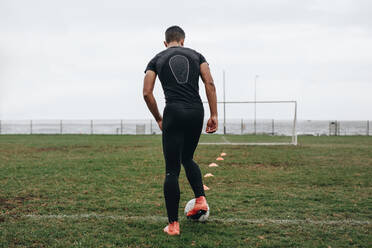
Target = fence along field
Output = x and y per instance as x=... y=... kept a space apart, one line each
x=233 y=126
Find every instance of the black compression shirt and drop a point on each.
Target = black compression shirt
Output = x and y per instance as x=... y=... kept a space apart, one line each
x=178 y=69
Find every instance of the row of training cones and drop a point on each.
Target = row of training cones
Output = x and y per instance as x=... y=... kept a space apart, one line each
x=220 y=158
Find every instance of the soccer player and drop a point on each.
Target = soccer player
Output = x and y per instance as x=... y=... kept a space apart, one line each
x=179 y=69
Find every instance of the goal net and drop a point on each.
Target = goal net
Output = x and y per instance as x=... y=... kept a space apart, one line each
x=253 y=123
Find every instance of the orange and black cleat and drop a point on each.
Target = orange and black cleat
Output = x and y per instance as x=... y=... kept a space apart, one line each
x=200 y=208
x=172 y=228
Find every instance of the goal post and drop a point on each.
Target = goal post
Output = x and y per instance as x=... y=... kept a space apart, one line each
x=253 y=123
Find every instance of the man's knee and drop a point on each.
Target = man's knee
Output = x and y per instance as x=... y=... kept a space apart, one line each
x=171 y=177
x=187 y=161
x=171 y=184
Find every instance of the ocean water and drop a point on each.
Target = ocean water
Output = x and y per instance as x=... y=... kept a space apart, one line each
x=233 y=126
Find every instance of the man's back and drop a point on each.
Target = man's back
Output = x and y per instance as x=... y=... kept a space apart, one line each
x=178 y=69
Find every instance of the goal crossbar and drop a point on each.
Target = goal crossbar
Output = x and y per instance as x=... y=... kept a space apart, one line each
x=294 y=129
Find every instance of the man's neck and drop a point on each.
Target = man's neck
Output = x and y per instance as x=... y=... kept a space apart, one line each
x=174 y=44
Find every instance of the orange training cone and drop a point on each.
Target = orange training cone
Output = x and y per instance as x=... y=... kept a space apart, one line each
x=205 y=187
x=213 y=165
x=208 y=175
x=223 y=154
x=219 y=159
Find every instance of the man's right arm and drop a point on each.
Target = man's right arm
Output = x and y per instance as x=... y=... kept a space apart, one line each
x=210 y=90
x=148 y=88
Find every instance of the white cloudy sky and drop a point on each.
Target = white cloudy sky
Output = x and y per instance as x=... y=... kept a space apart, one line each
x=85 y=59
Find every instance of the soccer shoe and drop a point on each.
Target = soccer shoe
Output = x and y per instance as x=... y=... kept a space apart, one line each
x=172 y=228
x=199 y=209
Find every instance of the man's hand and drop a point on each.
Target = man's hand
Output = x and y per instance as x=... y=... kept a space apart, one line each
x=212 y=124
x=160 y=124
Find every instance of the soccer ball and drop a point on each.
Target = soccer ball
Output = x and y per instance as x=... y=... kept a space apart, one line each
x=202 y=217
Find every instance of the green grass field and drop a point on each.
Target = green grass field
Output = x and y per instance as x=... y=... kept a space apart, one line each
x=106 y=191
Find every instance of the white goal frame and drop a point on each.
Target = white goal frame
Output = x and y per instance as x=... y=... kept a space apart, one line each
x=294 y=129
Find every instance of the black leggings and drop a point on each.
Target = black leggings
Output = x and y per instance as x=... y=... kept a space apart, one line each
x=181 y=131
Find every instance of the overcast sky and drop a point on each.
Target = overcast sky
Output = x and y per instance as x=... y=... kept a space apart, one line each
x=85 y=59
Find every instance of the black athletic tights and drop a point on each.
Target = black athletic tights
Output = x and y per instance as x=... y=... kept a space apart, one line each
x=181 y=131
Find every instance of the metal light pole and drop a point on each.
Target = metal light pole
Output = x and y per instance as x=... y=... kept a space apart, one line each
x=255 y=99
x=224 y=104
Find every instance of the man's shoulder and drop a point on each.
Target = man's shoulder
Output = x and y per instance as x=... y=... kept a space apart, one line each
x=159 y=54
x=182 y=50
x=169 y=50
x=191 y=49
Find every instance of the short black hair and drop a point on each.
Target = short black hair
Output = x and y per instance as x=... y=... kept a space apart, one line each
x=174 y=33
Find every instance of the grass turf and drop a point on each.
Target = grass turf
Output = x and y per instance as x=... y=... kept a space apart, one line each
x=322 y=179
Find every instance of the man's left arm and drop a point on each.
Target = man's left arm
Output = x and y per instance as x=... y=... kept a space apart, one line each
x=148 y=88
